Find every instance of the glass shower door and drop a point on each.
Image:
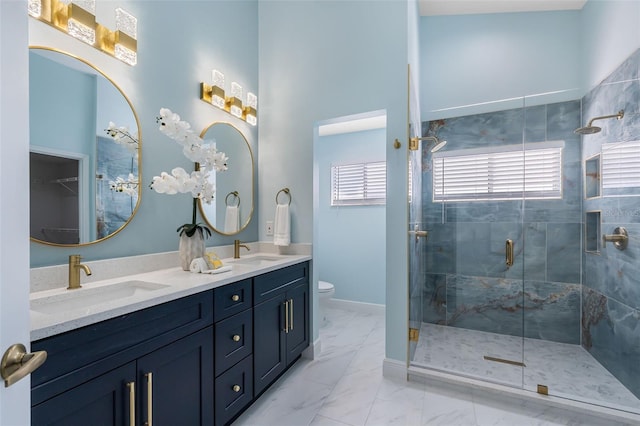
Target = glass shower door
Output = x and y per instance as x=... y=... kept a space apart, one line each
x=466 y=276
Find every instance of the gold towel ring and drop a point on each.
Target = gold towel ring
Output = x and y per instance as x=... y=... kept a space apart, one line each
x=286 y=191
x=235 y=194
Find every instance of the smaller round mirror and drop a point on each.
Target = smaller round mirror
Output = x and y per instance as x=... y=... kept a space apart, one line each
x=230 y=212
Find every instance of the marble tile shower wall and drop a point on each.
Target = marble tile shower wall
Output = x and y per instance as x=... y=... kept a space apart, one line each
x=468 y=284
x=611 y=281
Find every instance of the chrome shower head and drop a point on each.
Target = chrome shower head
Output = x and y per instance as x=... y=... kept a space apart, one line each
x=591 y=129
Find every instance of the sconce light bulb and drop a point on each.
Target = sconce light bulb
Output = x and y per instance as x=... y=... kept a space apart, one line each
x=236 y=90
x=252 y=100
x=217 y=79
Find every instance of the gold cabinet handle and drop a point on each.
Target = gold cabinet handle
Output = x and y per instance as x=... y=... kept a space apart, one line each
x=509 y=253
x=291 y=315
x=235 y=297
x=286 y=316
x=132 y=403
x=149 y=377
x=236 y=388
x=17 y=363
x=236 y=337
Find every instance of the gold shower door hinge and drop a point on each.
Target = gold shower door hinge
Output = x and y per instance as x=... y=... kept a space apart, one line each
x=414 y=333
x=543 y=390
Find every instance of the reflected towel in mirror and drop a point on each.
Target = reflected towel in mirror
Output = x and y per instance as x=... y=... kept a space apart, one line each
x=231 y=219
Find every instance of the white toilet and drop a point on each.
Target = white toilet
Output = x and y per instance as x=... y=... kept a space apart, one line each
x=326 y=290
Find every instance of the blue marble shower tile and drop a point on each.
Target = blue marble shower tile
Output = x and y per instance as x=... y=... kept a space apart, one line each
x=485 y=211
x=434 y=299
x=629 y=69
x=535 y=127
x=485 y=304
x=440 y=249
x=552 y=311
x=562 y=119
x=535 y=251
x=564 y=252
x=610 y=333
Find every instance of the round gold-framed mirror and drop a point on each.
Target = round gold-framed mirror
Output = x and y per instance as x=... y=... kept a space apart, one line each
x=85 y=151
x=232 y=208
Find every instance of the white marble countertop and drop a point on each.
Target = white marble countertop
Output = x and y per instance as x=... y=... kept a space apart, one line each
x=178 y=284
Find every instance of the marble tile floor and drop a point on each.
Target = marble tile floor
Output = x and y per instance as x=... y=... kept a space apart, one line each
x=567 y=370
x=344 y=386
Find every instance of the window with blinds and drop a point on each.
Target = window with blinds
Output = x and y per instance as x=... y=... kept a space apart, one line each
x=359 y=184
x=621 y=168
x=499 y=173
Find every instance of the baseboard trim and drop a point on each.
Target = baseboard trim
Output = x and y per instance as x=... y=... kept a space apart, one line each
x=361 y=307
x=427 y=376
x=313 y=350
x=394 y=369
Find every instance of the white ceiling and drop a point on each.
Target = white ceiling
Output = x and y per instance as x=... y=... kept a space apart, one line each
x=465 y=7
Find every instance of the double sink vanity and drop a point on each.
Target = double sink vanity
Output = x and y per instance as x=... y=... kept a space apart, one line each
x=168 y=345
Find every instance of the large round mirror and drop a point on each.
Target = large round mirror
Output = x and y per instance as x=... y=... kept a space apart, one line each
x=85 y=151
x=231 y=210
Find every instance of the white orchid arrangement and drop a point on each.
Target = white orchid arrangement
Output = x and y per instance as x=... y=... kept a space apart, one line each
x=197 y=182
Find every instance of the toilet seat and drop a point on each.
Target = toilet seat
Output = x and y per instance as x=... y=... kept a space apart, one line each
x=324 y=287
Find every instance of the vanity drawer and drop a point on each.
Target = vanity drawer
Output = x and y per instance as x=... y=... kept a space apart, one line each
x=231 y=299
x=233 y=340
x=273 y=283
x=121 y=339
x=234 y=391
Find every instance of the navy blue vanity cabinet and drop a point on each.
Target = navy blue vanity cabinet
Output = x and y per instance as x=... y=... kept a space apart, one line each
x=233 y=331
x=281 y=322
x=156 y=363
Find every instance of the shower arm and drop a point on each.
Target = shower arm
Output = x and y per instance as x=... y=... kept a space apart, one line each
x=414 y=142
x=619 y=116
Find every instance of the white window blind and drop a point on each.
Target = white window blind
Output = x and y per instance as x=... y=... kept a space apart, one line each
x=357 y=184
x=620 y=167
x=499 y=173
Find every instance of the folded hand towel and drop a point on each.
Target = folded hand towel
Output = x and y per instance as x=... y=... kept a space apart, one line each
x=231 y=219
x=219 y=270
x=282 y=226
x=198 y=265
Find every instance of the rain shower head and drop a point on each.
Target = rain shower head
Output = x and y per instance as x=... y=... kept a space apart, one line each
x=439 y=144
x=590 y=128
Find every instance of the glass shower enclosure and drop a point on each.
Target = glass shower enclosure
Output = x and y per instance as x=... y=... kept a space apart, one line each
x=515 y=277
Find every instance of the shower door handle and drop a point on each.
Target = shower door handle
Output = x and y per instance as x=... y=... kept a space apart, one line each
x=509 y=253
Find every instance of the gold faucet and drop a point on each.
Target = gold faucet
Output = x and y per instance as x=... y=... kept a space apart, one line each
x=74 y=271
x=236 y=249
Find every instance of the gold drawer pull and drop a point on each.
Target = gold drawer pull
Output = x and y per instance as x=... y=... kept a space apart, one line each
x=235 y=297
x=236 y=388
x=236 y=338
x=149 y=399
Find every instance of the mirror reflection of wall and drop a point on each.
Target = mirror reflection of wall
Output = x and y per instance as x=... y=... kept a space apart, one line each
x=72 y=105
x=231 y=210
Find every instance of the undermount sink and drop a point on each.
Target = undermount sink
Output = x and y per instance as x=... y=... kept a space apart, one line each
x=256 y=260
x=88 y=296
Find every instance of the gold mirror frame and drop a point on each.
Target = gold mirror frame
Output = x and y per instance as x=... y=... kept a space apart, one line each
x=99 y=72
x=222 y=194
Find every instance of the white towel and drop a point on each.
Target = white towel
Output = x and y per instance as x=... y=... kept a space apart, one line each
x=219 y=270
x=282 y=226
x=198 y=265
x=231 y=219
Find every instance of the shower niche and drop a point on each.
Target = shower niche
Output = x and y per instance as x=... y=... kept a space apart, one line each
x=592 y=177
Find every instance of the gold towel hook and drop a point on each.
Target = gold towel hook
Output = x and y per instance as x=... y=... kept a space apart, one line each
x=286 y=191
x=235 y=194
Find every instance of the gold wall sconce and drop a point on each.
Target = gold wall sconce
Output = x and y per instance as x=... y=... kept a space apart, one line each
x=77 y=18
x=215 y=95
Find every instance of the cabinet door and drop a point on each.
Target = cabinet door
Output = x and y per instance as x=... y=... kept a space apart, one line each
x=176 y=382
x=101 y=401
x=269 y=350
x=298 y=335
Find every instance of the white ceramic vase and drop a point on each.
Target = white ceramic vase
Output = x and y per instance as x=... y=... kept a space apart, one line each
x=191 y=248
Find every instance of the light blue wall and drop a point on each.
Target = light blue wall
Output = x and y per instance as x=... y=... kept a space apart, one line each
x=172 y=61
x=326 y=59
x=470 y=59
x=350 y=248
